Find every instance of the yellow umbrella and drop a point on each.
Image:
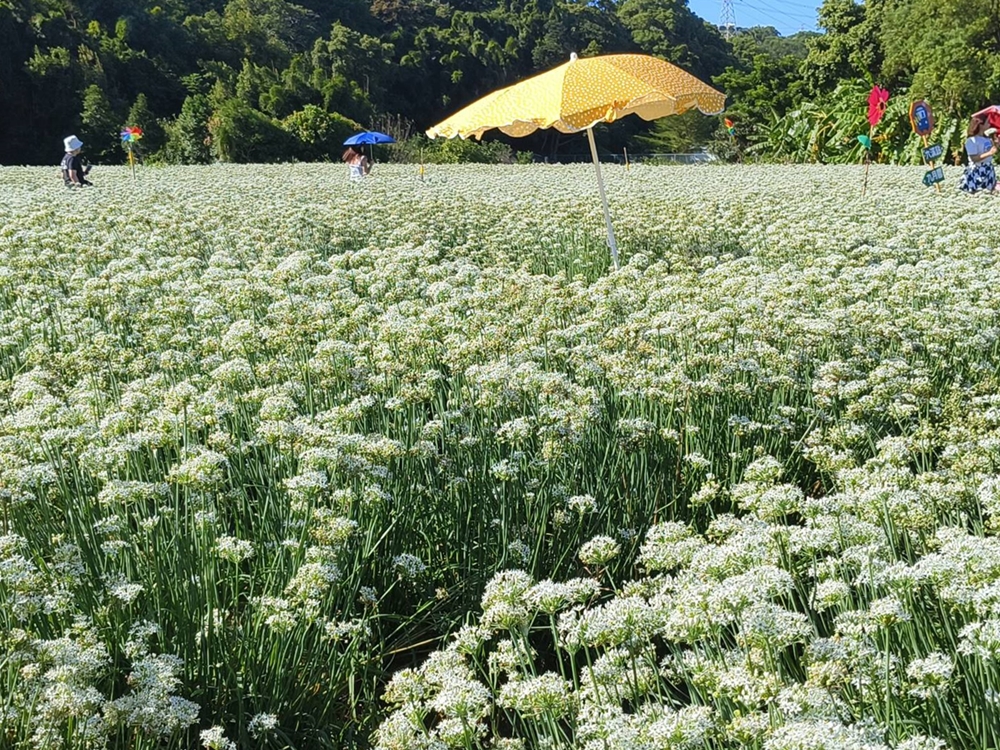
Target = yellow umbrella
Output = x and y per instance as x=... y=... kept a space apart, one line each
x=581 y=93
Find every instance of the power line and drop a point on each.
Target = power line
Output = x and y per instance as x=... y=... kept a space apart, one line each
x=782 y=15
x=805 y=6
x=783 y=12
x=780 y=21
x=766 y=15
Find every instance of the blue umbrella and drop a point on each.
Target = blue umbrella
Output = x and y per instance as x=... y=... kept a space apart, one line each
x=369 y=137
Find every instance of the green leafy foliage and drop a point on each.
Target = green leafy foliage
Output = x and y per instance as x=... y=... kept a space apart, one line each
x=849 y=48
x=100 y=124
x=420 y=60
x=671 y=31
x=423 y=150
x=153 y=136
x=320 y=134
x=947 y=49
x=188 y=138
x=678 y=134
x=826 y=130
x=242 y=134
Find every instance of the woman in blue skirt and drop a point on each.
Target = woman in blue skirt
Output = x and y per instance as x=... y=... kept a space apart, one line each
x=979 y=175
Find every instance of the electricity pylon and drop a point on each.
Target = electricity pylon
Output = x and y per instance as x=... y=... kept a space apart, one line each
x=727 y=20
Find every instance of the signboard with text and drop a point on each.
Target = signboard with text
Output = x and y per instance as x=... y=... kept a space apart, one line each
x=934 y=176
x=921 y=118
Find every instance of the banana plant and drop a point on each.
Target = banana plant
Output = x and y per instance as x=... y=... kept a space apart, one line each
x=827 y=130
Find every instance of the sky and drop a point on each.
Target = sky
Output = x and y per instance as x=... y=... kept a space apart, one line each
x=787 y=16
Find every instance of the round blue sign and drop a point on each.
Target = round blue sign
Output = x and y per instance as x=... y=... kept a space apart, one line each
x=921 y=118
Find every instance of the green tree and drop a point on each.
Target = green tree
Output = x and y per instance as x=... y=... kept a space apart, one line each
x=188 y=139
x=49 y=69
x=668 y=29
x=766 y=40
x=453 y=151
x=100 y=125
x=765 y=84
x=268 y=30
x=354 y=56
x=679 y=133
x=850 y=46
x=422 y=59
x=826 y=130
x=139 y=115
x=578 y=26
x=948 y=51
x=320 y=134
x=253 y=81
x=242 y=134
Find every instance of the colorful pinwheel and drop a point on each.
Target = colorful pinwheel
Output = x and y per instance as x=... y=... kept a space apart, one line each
x=730 y=126
x=878 y=99
x=130 y=135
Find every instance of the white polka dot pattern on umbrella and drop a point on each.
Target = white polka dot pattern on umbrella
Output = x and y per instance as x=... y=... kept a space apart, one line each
x=581 y=93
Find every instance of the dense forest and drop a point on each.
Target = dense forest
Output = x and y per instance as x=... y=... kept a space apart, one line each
x=270 y=80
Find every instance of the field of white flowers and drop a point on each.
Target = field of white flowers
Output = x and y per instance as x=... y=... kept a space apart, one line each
x=289 y=462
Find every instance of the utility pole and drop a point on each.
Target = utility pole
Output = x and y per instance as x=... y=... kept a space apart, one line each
x=727 y=20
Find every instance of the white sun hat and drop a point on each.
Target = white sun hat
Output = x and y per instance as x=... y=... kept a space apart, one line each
x=72 y=143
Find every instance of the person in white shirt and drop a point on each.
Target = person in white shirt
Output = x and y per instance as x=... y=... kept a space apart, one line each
x=358 y=165
x=979 y=174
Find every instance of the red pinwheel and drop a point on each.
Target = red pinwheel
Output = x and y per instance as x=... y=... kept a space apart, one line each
x=878 y=99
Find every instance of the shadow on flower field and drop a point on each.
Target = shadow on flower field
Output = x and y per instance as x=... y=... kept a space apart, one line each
x=276 y=472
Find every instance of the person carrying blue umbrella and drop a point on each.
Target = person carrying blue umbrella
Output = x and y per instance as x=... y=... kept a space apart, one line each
x=358 y=164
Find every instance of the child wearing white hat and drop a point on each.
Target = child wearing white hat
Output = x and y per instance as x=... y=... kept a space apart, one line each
x=73 y=170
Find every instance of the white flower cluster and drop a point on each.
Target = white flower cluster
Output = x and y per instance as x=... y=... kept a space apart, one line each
x=61 y=696
x=224 y=417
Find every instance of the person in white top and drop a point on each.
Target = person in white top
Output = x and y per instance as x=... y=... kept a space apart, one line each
x=358 y=165
x=979 y=174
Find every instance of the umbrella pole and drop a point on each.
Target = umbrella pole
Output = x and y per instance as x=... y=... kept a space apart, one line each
x=604 y=199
